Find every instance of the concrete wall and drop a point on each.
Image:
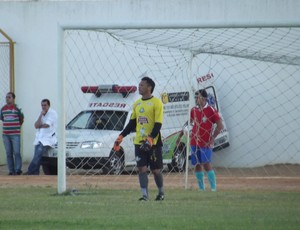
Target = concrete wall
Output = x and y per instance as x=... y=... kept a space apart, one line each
x=35 y=26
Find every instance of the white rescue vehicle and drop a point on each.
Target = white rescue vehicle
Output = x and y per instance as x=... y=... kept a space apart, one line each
x=90 y=135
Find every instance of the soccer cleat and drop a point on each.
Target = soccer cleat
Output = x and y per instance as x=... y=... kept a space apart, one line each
x=159 y=197
x=143 y=198
x=213 y=190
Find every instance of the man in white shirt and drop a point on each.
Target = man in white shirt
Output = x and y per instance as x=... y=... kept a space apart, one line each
x=45 y=138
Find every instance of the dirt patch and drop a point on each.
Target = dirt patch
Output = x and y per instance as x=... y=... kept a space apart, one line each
x=128 y=182
x=268 y=178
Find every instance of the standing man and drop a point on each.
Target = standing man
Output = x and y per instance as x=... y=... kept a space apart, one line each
x=45 y=138
x=12 y=119
x=203 y=117
x=146 y=119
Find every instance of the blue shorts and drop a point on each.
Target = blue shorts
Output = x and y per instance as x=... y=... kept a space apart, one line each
x=200 y=155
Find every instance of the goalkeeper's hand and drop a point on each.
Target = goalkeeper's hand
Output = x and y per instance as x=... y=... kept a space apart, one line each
x=117 y=143
x=147 y=144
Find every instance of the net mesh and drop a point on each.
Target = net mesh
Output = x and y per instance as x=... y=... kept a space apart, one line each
x=4 y=81
x=254 y=73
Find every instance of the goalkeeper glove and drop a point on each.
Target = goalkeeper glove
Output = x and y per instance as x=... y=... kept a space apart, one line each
x=117 y=143
x=147 y=144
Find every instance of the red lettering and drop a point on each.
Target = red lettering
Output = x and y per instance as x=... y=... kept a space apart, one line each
x=92 y=104
x=205 y=78
x=106 y=104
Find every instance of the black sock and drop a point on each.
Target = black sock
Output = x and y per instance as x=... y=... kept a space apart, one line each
x=159 y=183
x=143 y=178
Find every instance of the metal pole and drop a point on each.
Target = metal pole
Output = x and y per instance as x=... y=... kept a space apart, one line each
x=61 y=156
x=11 y=61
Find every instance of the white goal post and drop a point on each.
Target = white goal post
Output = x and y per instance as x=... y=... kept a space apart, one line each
x=254 y=72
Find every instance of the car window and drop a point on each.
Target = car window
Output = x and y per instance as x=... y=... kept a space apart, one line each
x=211 y=97
x=99 y=120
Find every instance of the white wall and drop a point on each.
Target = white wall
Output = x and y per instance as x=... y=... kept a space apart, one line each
x=34 y=26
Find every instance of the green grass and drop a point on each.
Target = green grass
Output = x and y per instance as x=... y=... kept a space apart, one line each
x=41 y=208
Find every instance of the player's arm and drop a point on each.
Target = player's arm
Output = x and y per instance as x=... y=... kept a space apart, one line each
x=159 y=113
x=147 y=144
x=131 y=126
x=216 y=132
x=181 y=133
x=218 y=128
x=156 y=129
x=216 y=118
x=185 y=126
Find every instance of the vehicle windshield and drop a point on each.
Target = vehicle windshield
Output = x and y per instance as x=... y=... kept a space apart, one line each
x=99 y=120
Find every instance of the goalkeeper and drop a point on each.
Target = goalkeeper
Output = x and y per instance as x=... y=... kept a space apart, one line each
x=146 y=120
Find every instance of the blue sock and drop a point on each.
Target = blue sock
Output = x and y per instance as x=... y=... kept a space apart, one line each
x=211 y=176
x=200 y=179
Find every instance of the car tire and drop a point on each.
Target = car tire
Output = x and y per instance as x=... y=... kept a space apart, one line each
x=49 y=166
x=115 y=163
x=178 y=162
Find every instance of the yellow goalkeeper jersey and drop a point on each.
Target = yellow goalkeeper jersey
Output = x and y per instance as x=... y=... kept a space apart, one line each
x=147 y=113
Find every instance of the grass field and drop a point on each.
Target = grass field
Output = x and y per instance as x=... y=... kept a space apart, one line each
x=39 y=207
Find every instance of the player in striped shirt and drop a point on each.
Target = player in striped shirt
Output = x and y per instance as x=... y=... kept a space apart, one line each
x=12 y=119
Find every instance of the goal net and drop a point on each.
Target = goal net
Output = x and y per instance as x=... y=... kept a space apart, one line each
x=5 y=78
x=251 y=74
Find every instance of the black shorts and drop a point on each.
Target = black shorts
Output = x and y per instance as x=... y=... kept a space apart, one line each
x=152 y=158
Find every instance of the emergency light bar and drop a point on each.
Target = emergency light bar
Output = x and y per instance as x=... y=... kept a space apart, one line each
x=99 y=90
